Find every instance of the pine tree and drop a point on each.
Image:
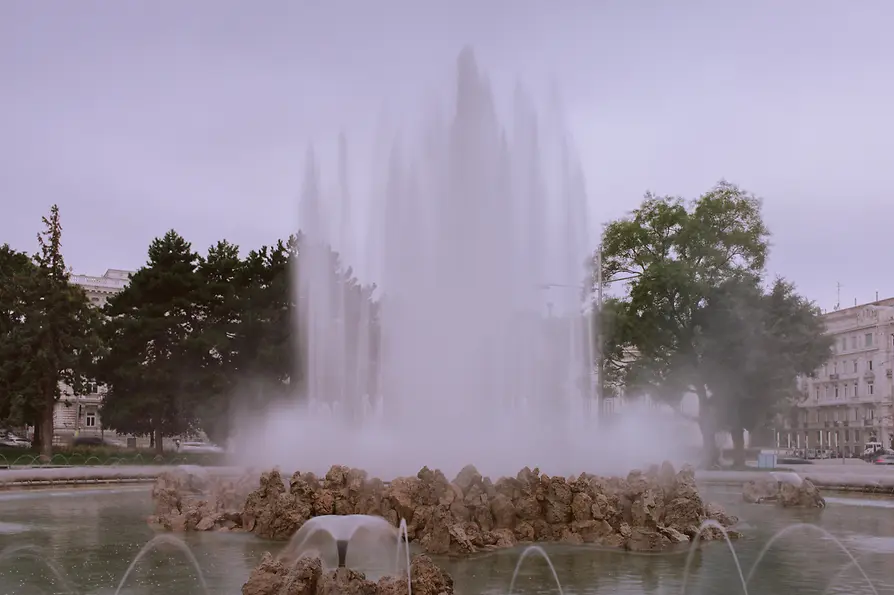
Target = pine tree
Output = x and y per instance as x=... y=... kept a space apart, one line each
x=59 y=334
x=149 y=366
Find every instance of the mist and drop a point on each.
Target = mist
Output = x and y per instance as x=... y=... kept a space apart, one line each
x=477 y=243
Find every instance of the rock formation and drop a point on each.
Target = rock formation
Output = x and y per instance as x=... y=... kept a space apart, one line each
x=644 y=512
x=186 y=501
x=305 y=576
x=786 y=494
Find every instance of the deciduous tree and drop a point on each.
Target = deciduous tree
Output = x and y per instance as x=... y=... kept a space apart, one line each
x=673 y=253
x=757 y=343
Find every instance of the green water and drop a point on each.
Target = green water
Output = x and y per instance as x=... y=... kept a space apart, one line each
x=92 y=536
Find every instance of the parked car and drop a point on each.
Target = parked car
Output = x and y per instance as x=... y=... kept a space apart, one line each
x=884 y=460
x=10 y=440
x=872 y=449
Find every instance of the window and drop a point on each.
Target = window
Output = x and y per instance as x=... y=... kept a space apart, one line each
x=836 y=391
x=856 y=435
x=846 y=390
x=819 y=437
x=871 y=388
x=90 y=419
x=870 y=414
x=817 y=393
x=847 y=435
x=868 y=338
x=853 y=342
x=835 y=368
x=856 y=389
x=825 y=369
x=843 y=343
x=835 y=415
x=855 y=366
x=869 y=365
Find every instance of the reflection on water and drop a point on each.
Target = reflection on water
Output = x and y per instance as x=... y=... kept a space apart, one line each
x=92 y=536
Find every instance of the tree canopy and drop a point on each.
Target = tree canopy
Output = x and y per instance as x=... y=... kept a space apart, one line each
x=48 y=337
x=194 y=340
x=695 y=316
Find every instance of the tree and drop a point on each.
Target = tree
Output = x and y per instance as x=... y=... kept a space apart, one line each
x=757 y=344
x=244 y=339
x=18 y=277
x=673 y=254
x=150 y=365
x=59 y=334
x=221 y=319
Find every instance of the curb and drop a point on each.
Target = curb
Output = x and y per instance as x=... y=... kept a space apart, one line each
x=858 y=488
x=72 y=482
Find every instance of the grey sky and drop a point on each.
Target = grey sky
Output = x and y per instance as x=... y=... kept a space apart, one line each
x=139 y=116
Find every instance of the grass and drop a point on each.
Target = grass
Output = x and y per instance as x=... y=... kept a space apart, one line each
x=100 y=456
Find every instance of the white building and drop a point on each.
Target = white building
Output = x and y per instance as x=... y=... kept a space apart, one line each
x=79 y=414
x=100 y=289
x=850 y=401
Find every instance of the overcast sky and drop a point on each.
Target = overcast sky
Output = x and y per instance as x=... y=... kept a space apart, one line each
x=140 y=116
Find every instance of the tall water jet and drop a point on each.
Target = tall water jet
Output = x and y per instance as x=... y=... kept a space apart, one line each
x=476 y=348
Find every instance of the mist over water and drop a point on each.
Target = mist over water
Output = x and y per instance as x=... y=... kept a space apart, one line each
x=478 y=244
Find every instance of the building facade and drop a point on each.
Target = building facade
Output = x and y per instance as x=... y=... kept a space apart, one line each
x=76 y=414
x=850 y=399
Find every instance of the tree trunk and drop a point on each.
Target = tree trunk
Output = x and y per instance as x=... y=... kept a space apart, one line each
x=738 y=436
x=707 y=427
x=159 y=443
x=35 y=438
x=152 y=439
x=46 y=426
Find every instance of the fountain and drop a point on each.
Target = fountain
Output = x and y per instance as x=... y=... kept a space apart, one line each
x=375 y=542
x=477 y=242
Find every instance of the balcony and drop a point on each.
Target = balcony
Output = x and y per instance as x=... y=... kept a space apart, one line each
x=869 y=376
x=833 y=376
x=827 y=424
x=868 y=422
x=846 y=423
x=836 y=423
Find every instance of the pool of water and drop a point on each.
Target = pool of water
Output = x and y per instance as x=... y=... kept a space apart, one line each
x=91 y=537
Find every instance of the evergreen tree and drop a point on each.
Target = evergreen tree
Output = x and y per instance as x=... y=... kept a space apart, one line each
x=262 y=362
x=215 y=343
x=150 y=365
x=18 y=277
x=56 y=340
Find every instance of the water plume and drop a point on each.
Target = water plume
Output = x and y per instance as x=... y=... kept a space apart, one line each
x=479 y=348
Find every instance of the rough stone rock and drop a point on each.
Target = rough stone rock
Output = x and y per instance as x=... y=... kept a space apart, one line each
x=305 y=576
x=767 y=489
x=197 y=501
x=644 y=511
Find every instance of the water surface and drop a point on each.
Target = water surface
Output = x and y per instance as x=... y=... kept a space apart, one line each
x=93 y=536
